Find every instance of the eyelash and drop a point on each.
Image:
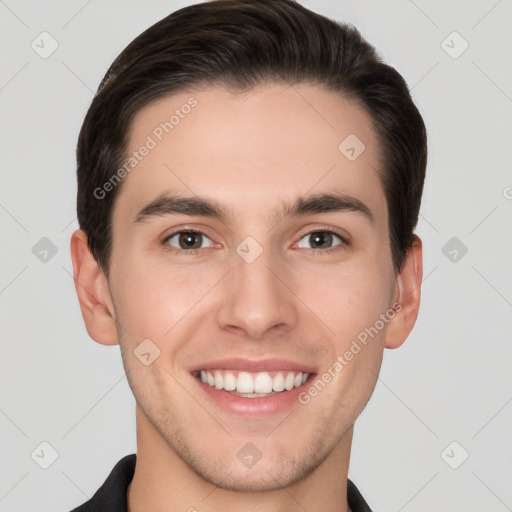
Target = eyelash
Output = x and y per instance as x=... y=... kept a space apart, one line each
x=344 y=241
x=324 y=229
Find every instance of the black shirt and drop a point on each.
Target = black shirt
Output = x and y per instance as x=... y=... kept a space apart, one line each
x=111 y=496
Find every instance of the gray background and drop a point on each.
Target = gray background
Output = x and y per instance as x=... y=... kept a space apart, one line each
x=451 y=381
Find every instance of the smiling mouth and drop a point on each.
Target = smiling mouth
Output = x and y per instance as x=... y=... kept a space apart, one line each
x=252 y=384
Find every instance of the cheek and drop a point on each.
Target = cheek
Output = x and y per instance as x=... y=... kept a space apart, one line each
x=357 y=311
x=151 y=299
x=348 y=299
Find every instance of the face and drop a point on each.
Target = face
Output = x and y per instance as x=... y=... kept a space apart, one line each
x=254 y=280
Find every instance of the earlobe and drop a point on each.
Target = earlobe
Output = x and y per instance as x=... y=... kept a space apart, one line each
x=408 y=283
x=93 y=292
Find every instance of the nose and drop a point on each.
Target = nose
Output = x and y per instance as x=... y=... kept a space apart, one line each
x=256 y=299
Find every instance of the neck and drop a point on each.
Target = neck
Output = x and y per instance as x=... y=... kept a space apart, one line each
x=163 y=481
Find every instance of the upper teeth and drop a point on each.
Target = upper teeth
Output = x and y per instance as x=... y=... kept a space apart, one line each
x=261 y=382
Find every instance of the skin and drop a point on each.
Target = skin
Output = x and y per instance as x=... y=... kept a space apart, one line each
x=252 y=152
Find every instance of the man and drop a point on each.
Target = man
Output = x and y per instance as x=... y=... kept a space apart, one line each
x=249 y=179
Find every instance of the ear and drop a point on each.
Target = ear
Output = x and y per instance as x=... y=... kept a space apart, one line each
x=408 y=294
x=93 y=292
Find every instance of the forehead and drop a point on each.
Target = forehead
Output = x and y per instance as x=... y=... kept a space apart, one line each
x=251 y=150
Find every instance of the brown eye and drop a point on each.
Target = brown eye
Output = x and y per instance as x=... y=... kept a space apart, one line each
x=187 y=240
x=320 y=240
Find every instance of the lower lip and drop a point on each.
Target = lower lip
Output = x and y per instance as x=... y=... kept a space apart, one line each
x=260 y=406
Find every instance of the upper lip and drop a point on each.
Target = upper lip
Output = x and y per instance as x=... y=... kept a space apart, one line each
x=253 y=365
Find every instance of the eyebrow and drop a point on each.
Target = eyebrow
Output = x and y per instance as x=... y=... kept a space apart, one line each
x=202 y=206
